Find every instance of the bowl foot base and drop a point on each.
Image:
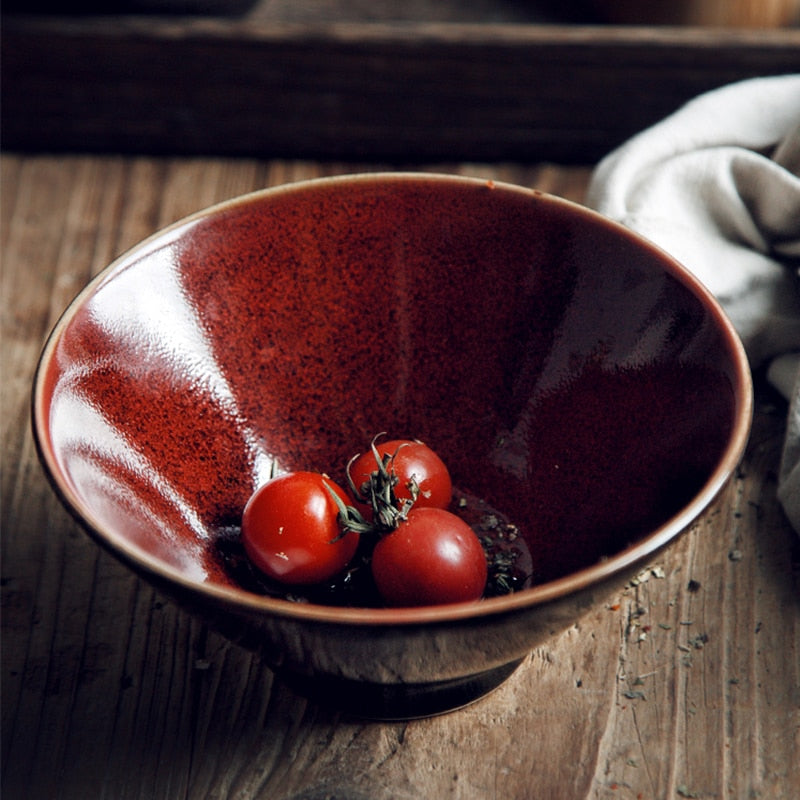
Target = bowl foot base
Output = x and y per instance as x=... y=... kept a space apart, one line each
x=399 y=701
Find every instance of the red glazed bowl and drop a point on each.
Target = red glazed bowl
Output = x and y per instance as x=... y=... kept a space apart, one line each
x=567 y=371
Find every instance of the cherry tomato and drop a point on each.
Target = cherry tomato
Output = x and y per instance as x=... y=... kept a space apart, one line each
x=411 y=461
x=433 y=557
x=290 y=529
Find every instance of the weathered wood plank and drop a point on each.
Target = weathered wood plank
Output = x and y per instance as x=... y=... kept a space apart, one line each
x=359 y=90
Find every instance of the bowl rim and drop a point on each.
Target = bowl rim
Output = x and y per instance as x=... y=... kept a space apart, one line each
x=621 y=562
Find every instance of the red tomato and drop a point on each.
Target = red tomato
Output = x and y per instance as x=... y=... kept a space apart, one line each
x=433 y=557
x=411 y=461
x=290 y=529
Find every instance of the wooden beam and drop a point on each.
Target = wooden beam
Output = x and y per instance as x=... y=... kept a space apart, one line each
x=359 y=90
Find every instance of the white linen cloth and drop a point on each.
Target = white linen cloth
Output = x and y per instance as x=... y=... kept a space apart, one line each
x=717 y=185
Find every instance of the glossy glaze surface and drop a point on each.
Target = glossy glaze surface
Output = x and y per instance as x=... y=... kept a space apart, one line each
x=566 y=371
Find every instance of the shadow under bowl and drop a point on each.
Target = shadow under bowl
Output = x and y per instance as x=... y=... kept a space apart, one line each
x=571 y=375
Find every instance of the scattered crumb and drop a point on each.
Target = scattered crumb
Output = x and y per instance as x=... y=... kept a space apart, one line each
x=699 y=641
x=633 y=694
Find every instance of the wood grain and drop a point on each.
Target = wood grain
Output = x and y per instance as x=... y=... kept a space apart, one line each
x=294 y=86
x=686 y=685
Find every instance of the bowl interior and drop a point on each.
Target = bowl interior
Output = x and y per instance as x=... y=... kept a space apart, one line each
x=568 y=373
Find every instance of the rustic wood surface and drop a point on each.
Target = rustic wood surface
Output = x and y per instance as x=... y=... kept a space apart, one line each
x=455 y=79
x=686 y=685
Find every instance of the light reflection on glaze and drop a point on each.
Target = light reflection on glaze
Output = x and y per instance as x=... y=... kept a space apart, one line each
x=90 y=442
x=151 y=336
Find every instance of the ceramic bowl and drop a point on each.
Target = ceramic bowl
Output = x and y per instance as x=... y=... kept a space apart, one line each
x=569 y=373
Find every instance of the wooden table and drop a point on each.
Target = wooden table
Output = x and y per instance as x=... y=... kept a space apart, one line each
x=686 y=685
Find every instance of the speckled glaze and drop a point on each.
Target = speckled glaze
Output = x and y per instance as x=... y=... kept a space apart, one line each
x=567 y=371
